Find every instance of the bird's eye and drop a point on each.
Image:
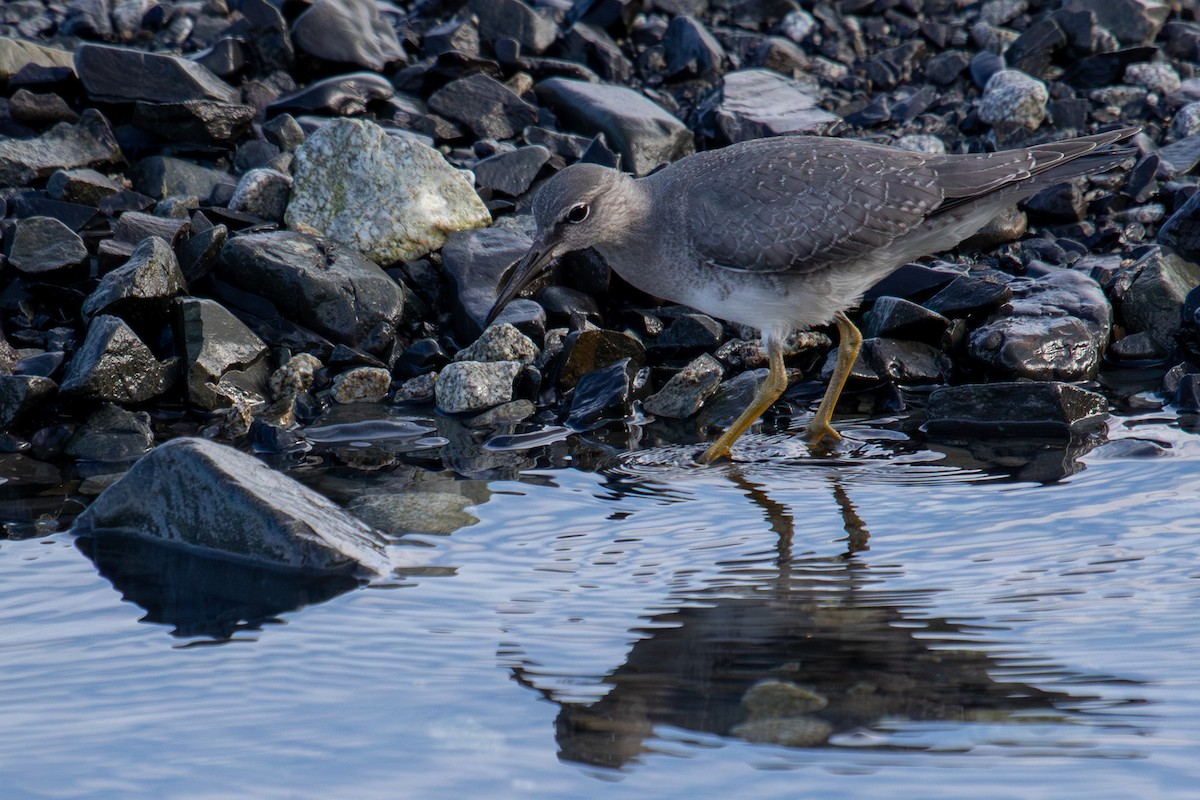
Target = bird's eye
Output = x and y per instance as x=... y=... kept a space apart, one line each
x=577 y=213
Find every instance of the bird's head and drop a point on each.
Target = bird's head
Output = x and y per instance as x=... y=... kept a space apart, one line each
x=584 y=205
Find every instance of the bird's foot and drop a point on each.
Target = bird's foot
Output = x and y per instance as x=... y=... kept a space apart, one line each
x=822 y=434
x=716 y=452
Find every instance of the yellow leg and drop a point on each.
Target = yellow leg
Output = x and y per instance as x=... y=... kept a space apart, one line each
x=850 y=342
x=768 y=392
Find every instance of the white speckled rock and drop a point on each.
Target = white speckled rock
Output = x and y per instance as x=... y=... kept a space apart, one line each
x=687 y=390
x=1013 y=98
x=1155 y=76
x=390 y=198
x=262 y=192
x=501 y=342
x=361 y=385
x=475 y=385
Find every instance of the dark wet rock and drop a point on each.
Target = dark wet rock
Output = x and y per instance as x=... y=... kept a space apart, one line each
x=41 y=245
x=1062 y=203
x=903 y=319
x=349 y=170
x=85 y=186
x=1035 y=49
x=730 y=399
x=420 y=357
x=361 y=385
x=347 y=32
x=222 y=358
x=113 y=365
x=341 y=95
x=691 y=332
x=88 y=143
x=691 y=51
x=225 y=58
x=8 y=356
x=466 y=386
x=944 y=68
x=22 y=394
x=603 y=395
x=643 y=133
x=42 y=365
x=134 y=227
x=284 y=132
x=1186 y=396
x=965 y=296
x=165 y=176
x=485 y=105
x=264 y=193
x=511 y=173
x=500 y=342
x=112 y=433
x=686 y=391
x=330 y=289
x=119 y=74
x=39 y=110
x=477 y=262
x=1054 y=328
x=983 y=66
x=590 y=350
x=199 y=253
x=194 y=120
x=1137 y=347
x=1154 y=301
x=265 y=32
x=264 y=517
x=910 y=282
x=568 y=306
x=906 y=363
x=143 y=287
x=18 y=54
x=459 y=35
x=513 y=19
x=1017 y=407
x=591 y=45
x=1181 y=157
x=1013 y=99
x=527 y=316
x=1131 y=21
x=91 y=19
x=754 y=103
x=1181 y=232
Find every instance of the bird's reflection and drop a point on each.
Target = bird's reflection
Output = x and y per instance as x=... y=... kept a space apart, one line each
x=809 y=653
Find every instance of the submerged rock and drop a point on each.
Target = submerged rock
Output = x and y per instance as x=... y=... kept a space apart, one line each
x=1013 y=407
x=475 y=385
x=199 y=494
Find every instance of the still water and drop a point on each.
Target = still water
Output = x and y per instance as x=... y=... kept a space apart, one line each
x=570 y=618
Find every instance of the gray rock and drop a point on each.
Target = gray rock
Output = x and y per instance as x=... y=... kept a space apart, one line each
x=264 y=193
x=389 y=197
x=906 y=363
x=477 y=262
x=361 y=385
x=16 y=54
x=1139 y=346
x=125 y=74
x=500 y=342
x=1181 y=231
x=511 y=173
x=1157 y=76
x=199 y=121
x=223 y=358
x=1017 y=407
x=163 y=176
x=1154 y=302
x=1131 y=21
x=691 y=332
x=202 y=495
x=84 y=186
x=644 y=134
x=1186 y=121
x=144 y=285
x=115 y=366
x=691 y=51
x=348 y=32
x=1054 y=328
x=785 y=731
x=399 y=513
x=485 y=105
x=1181 y=157
x=774 y=699
x=330 y=289
x=755 y=103
x=200 y=251
x=464 y=386
x=112 y=434
x=88 y=143
x=1012 y=98
x=43 y=244
x=21 y=394
x=730 y=399
x=686 y=391
x=513 y=19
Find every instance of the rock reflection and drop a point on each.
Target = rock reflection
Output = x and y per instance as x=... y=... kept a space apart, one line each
x=204 y=597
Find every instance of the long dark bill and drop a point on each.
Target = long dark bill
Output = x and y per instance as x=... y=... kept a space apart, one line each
x=535 y=262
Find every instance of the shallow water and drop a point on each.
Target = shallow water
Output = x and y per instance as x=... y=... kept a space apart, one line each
x=1014 y=620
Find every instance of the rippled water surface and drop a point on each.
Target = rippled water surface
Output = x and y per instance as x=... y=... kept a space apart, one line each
x=951 y=620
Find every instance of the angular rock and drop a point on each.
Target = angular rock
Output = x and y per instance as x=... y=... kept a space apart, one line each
x=1012 y=98
x=603 y=395
x=903 y=319
x=42 y=245
x=390 y=198
x=686 y=391
x=730 y=399
x=39 y=110
x=223 y=359
x=511 y=173
x=347 y=32
x=86 y=186
x=1018 y=407
x=1054 y=328
x=1154 y=302
x=113 y=365
x=261 y=516
x=264 y=193
x=88 y=143
x=485 y=105
x=691 y=50
x=906 y=363
x=513 y=19
x=755 y=103
x=505 y=414
x=965 y=296
x=361 y=385
x=144 y=286
x=21 y=394
x=341 y=95
x=592 y=349
x=691 y=332
x=1131 y=21
x=17 y=54
x=1181 y=157
x=194 y=120
x=164 y=176
x=500 y=342
x=643 y=133
x=1181 y=231
x=465 y=386
x=330 y=289
x=477 y=262
x=112 y=433
x=119 y=74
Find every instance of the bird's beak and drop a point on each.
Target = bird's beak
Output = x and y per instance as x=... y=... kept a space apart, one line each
x=521 y=274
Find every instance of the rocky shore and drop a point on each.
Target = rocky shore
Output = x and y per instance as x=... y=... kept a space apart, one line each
x=253 y=222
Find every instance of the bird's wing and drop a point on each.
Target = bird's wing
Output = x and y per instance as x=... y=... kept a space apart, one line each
x=800 y=204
